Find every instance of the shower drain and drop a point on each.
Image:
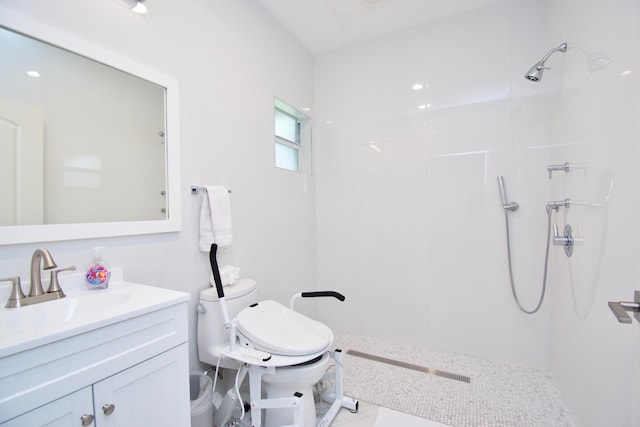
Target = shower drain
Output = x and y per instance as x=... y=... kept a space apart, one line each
x=423 y=369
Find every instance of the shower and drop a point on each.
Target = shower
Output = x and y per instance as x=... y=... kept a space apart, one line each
x=535 y=73
x=510 y=207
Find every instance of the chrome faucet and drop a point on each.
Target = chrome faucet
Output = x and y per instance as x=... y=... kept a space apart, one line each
x=39 y=256
x=41 y=259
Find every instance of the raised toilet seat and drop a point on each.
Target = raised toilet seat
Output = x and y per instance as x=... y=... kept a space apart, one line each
x=274 y=328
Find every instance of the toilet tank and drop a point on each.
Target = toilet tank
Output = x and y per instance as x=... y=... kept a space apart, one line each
x=212 y=335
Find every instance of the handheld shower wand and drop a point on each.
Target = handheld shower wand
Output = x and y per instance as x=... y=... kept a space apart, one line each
x=512 y=206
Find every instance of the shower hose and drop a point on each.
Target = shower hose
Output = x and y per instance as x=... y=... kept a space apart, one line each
x=546 y=263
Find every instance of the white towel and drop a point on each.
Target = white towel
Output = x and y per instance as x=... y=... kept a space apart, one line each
x=229 y=274
x=215 y=218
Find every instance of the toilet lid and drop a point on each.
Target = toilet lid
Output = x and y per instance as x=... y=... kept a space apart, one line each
x=274 y=328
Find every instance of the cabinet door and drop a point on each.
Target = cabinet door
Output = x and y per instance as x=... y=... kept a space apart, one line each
x=154 y=393
x=67 y=411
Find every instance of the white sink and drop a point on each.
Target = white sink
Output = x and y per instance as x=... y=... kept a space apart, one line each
x=74 y=309
x=80 y=311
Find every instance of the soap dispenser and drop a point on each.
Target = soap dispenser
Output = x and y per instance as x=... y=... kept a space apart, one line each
x=98 y=271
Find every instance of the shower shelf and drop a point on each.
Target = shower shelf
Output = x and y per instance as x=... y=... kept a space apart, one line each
x=620 y=308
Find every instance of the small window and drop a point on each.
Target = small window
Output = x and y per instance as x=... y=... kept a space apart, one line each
x=286 y=157
x=292 y=138
x=287 y=127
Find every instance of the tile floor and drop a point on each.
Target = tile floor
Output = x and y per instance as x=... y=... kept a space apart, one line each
x=365 y=417
x=370 y=415
x=498 y=395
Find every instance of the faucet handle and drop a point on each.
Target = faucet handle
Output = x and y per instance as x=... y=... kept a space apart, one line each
x=54 y=285
x=16 y=296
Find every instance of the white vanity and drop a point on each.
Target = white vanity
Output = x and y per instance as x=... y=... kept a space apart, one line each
x=114 y=357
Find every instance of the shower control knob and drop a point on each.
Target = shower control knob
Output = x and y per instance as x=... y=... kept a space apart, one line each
x=565 y=240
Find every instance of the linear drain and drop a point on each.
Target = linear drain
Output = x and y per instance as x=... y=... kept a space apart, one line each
x=411 y=366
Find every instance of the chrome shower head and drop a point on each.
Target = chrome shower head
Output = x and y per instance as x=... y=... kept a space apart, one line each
x=535 y=73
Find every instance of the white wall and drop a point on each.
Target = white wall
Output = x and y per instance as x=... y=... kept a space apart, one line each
x=231 y=58
x=414 y=234
x=595 y=120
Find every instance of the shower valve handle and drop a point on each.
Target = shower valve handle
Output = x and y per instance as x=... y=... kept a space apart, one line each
x=565 y=239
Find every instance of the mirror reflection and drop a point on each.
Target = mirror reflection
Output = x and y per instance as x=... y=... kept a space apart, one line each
x=80 y=142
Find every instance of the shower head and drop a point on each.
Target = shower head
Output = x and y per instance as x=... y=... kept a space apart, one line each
x=535 y=73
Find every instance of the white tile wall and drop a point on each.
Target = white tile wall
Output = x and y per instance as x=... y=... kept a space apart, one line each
x=414 y=235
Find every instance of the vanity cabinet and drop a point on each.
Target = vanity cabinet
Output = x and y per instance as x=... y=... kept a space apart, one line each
x=146 y=394
x=132 y=372
x=142 y=395
x=64 y=412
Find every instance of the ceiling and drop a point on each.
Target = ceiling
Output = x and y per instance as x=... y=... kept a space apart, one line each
x=324 y=25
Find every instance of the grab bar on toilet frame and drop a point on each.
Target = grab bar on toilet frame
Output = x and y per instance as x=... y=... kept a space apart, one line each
x=316 y=294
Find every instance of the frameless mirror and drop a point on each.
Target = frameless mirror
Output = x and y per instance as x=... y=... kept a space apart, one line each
x=88 y=139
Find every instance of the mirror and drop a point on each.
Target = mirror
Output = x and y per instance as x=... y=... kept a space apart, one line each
x=88 y=139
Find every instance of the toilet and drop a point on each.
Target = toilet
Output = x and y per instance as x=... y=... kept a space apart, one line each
x=270 y=327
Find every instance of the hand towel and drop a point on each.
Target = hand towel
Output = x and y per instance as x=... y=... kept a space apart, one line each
x=215 y=218
x=229 y=274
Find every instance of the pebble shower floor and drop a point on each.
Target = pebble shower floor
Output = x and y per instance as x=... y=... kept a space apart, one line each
x=498 y=395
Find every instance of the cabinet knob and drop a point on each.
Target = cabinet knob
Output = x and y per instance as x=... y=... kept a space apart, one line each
x=86 y=419
x=108 y=408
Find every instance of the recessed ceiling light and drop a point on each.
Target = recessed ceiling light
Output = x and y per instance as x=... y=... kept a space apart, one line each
x=417 y=86
x=422 y=107
x=139 y=8
x=33 y=73
x=374 y=147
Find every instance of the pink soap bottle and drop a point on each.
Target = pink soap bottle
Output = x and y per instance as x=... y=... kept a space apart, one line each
x=98 y=271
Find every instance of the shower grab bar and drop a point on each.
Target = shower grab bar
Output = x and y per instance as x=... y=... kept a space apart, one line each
x=565 y=167
x=620 y=308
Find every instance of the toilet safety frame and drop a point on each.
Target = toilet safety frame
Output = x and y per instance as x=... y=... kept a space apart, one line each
x=256 y=370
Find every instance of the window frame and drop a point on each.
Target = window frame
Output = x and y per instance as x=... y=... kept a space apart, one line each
x=302 y=145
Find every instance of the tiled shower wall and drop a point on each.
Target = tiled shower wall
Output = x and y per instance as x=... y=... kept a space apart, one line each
x=410 y=226
x=409 y=215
